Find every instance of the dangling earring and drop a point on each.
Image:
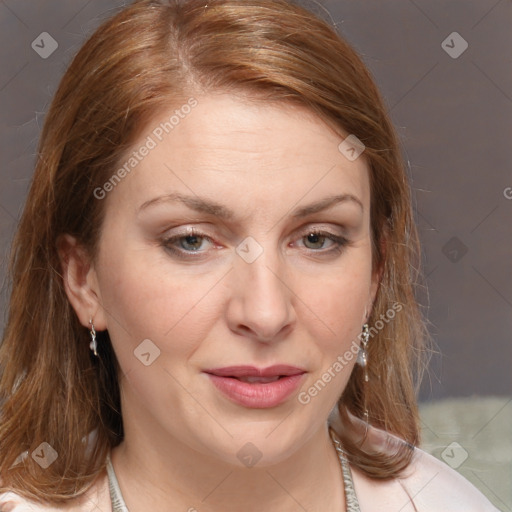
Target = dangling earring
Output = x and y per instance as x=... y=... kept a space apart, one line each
x=94 y=344
x=362 y=360
x=362 y=356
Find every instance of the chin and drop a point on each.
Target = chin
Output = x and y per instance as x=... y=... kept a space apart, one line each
x=263 y=444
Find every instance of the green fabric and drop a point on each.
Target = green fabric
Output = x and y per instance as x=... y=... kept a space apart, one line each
x=482 y=429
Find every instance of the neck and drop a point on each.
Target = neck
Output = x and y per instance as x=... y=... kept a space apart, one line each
x=156 y=472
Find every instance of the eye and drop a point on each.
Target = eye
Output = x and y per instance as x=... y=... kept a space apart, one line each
x=193 y=244
x=317 y=239
x=185 y=244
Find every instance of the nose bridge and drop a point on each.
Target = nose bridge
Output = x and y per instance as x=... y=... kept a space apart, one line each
x=261 y=265
x=264 y=297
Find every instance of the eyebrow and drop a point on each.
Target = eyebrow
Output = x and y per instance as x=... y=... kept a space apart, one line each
x=203 y=205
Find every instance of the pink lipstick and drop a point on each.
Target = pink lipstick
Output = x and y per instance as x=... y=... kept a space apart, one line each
x=257 y=388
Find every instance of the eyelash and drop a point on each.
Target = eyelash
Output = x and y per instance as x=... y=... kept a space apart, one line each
x=339 y=241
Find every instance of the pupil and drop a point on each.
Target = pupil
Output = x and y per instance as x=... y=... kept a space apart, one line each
x=314 y=238
x=193 y=238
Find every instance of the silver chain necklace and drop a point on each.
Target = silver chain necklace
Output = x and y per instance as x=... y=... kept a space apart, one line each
x=352 y=504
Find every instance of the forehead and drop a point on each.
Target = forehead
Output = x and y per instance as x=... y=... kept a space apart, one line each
x=240 y=151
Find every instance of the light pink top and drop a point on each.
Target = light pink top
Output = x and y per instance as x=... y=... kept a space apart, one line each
x=428 y=485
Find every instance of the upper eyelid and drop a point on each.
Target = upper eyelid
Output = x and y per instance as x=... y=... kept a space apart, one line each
x=193 y=231
x=201 y=234
x=309 y=226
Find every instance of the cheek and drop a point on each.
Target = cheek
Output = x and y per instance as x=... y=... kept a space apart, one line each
x=338 y=306
x=338 y=301
x=143 y=300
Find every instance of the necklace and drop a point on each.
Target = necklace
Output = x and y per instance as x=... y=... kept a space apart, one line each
x=351 y=501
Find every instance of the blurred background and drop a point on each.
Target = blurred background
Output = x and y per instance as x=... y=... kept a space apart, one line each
x=445 y=71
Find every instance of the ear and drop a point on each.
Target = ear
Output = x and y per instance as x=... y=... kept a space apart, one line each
x=378 y=272
x=80 y=282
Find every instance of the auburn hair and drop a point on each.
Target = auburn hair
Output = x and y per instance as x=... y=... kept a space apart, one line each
x=151 y=55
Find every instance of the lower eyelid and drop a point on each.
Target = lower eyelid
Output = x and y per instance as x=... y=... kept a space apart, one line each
x=168 y=242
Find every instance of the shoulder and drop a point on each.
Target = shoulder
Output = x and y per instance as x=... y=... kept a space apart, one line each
x=427 y=484
x=436 y=486
x=96 y=498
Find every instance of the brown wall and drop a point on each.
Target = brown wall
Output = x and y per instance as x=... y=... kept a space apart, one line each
x=455 y=119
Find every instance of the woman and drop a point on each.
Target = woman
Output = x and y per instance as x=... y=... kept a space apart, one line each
x=213 y=279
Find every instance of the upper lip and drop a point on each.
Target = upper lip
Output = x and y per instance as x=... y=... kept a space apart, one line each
x=252 y=371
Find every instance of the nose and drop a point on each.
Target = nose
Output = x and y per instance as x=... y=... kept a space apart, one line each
x=261 y=304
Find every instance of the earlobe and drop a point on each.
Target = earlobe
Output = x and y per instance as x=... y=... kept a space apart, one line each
x=80 y=282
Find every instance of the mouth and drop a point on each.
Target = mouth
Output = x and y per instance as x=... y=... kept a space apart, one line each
x=257 y=387
x=252 y=380
x=252 y=372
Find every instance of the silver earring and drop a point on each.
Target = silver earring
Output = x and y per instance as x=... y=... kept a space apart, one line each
x=94 y=344
x=362 y=360
x=362 y=356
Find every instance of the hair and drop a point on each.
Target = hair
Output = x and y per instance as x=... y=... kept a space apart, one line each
x=151 y=55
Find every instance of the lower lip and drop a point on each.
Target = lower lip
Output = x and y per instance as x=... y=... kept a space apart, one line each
x=257 y=395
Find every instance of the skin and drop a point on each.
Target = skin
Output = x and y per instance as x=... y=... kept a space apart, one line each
x=296 y=304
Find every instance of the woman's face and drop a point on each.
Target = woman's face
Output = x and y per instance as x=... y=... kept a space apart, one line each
x=209 y=263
